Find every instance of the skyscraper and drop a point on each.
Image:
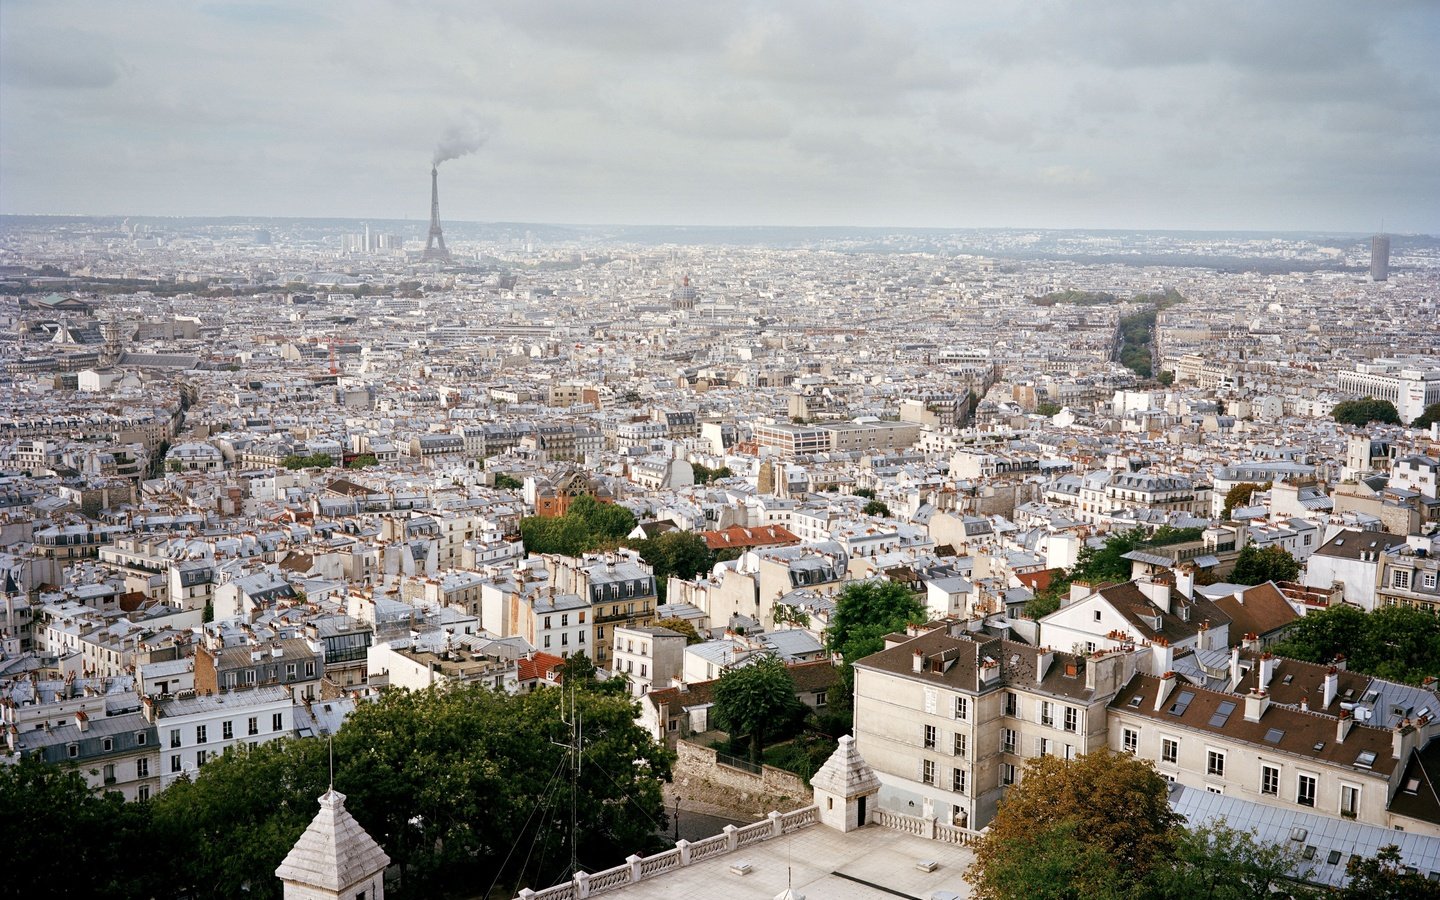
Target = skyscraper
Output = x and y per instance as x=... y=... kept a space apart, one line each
x=1380 y=257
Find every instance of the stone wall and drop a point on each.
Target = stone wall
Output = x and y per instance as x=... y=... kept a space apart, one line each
x=699 y=776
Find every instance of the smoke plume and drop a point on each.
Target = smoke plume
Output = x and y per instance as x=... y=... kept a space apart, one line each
x=459 y=140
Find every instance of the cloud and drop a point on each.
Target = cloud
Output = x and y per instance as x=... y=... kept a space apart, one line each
x=60 y=59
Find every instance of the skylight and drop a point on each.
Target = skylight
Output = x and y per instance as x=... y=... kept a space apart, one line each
x=1222 y=713
x=1366 y=759
x=1135 y=701
x=1274 y=735
x=1182 y=703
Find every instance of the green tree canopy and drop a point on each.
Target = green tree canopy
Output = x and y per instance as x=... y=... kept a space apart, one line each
x=363 y=461
x=876 y=508
x=312 y=461
x=681 y=553
x=684 y=627
x=1427 y=417
x=1047 y=408
x=1363 y=412
x=756 y=700
x=587 y=525
x=1100 y=807
x=1382 y=877
x=1393 y=642
x=1240 y=495
x=866 y=611
x=1257 y=565
x=704 y=474
x=507 y=482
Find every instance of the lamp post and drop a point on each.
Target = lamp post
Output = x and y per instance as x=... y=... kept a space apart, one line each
x=676 y=817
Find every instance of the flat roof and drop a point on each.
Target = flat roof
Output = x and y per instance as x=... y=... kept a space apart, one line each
x=870 y=863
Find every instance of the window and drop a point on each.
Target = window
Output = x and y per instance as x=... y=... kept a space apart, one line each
x=200 y=757
x=107 y=744
x=547 y=621
x=174 y=737
x=957 y=781
x=143 y=792
x=277 y=722
x=1129 y=740
x=929 y=737
x=927 y=771
x=546 y=642
x=1047 y=713
x=1428 y=580
x=962 y=707
x=564 y=638
x=140 y=738
x=1305 y=790
x=1007 y=773
x=73 y=750
x=174 y=762
x=200 y=734
x=644 y=670
x=289 y=671
x=1215 y=763
x=1007 y=740
x=1214 y=789
x=1269 y=780
x=1097 y=615
x=310 y=670
x=1169 y=750
x=1401 y=578
x=564 y=620
x=1072 y=719
x=249 y=676
x=961 y=744
x=253 y=725
x=142 y=768
x=1012 y=704
x=1349 y=800
x=1044 y=746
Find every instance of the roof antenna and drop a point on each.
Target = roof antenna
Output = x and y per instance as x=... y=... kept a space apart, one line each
x=332 y=761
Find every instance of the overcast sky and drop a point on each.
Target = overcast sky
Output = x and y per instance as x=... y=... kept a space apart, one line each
x=1145 y=114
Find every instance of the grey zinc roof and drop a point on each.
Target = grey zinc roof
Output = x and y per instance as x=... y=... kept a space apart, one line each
x=1276 y=825
x=334 y=853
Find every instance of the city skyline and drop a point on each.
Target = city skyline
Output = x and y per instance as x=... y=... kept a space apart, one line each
x=1283 y=118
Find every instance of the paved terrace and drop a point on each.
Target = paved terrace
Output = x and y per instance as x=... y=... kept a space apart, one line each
x=877 y=862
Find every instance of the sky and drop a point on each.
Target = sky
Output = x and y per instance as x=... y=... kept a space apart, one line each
x=1224 y=114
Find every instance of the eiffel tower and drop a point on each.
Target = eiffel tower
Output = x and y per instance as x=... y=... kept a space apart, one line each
x=435 y=243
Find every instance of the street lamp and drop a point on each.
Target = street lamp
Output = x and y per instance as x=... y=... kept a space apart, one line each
x=676 y=817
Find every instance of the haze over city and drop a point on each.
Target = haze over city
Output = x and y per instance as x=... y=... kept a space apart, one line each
x=1287 y=116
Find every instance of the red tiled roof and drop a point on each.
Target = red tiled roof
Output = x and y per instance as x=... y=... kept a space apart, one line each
x=537 y=667
x=759 y=536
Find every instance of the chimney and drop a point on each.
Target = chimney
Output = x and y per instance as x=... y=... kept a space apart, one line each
x=1403 y=740
x=1256 y=702
x=1338 y=662
x=1167 y=686
x=1343 y=725
x=1267 y=670
x=1156 y=591
x=1185 y=580
x=917 y=661
x=1162 y=656
x=1235 y=673
x=1250 y=642
x=1043 y=661
x=82 y=721
x=1330 y=686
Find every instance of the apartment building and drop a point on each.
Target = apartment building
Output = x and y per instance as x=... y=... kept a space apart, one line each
x=947 y=717
x=195 y=729
x=619 y=587
x=112 y=753
x=1410 y=576
x=648 y=655
x=294 y=664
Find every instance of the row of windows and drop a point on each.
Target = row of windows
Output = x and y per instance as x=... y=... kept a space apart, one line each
x=273 y=673
x=107 y=745
x=959 y=778
x=565 y=619
x=1400 y=578
x=1305 y=785
x=227 y=729
x=1067 y=717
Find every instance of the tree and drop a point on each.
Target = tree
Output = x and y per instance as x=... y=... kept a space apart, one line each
x=173 y=465
x=683 y=554
x=312 y=461
x=876 y=508
x=1363 y=412
x=867 y=493
x=364 y=460
x=46 y=810
x=1216 y=862
x=1257 y=566
x=507 y=482
x=756 y=700
x=1115 y=807
x=704 y=474
x=1166 y=378
x=865 y=611
x=684 y=627
x=1427 y=417
x=229 y=828
x=1381 y=877
x=1394 y=642
x=1239 y=495
x=1047 y=409
x=1107 y=563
